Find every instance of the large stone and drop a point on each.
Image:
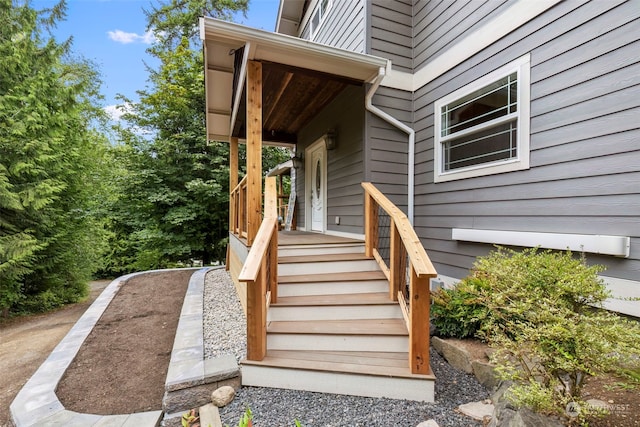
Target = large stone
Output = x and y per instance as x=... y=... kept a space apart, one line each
x=485 y=373
x=477 y=410
x=223 y=396
x=505 y=415
x=428 y=423
x=458 y=357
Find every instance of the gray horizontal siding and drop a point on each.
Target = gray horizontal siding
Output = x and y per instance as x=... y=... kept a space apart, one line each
x=345 y=168
x=390 y=33
x=344 y=26
x=440 y=24
x=585 y=157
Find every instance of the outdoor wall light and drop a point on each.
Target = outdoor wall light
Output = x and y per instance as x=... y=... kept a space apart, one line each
x=297 y=161
x=330 y=140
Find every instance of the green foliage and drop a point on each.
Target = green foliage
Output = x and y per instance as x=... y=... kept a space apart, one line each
x=49 y=239
x=538 y=309
x=458 y=312
x=171 y=186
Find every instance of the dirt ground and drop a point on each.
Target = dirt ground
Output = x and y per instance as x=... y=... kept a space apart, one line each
x=26 y=342
x=122 y=365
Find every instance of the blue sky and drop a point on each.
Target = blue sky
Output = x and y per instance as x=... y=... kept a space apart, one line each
x=111 y=33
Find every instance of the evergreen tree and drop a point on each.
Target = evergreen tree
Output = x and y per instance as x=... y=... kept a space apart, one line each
x=174 y=189
x=47 y=156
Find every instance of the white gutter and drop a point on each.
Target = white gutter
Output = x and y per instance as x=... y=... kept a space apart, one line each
x=406 y=129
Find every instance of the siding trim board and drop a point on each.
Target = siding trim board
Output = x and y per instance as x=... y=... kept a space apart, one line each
x=605 y=245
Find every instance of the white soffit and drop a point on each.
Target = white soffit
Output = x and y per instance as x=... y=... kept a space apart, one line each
x=591 y=243
x=221 y=38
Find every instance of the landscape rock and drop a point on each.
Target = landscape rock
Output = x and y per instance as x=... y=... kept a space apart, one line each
x=485 y=373
x=223 y=396
x=428 y=423
x=477 y=410
x=457 y=357
x=506 y=415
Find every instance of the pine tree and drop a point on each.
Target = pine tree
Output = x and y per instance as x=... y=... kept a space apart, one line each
x=47 y=153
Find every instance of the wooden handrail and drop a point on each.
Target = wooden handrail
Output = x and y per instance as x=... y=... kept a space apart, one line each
x=260 y=272
x=242 y=183
x=403 y=240
x=418 y=256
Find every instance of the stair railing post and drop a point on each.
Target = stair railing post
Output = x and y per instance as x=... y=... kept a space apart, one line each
x=396 y=261
x=368 y=224
x=420 y=301
x=273 y=267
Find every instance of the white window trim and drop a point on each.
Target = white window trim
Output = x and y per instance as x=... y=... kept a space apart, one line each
x=521 y=162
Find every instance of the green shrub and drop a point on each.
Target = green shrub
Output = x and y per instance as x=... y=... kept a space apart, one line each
x=539 y=310
x=458 y=312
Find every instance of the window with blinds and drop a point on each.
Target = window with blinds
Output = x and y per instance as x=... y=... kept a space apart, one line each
x=479 y=127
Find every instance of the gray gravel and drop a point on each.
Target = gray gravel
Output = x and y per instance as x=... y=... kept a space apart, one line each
x=225 y=334
x=225 y=327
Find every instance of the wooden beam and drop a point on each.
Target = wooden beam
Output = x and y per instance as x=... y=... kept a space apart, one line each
x=254 y=149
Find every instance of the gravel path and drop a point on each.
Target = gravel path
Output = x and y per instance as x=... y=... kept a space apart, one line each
x=225 y=327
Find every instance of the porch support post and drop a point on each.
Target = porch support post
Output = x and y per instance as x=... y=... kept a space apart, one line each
x=254 y=149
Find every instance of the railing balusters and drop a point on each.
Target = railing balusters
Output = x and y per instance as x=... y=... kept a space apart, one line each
x=404 y=248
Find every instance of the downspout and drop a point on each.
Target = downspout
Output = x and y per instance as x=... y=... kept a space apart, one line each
x=406 y=129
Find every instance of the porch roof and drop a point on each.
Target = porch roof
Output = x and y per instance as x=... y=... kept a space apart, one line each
x=299 y=78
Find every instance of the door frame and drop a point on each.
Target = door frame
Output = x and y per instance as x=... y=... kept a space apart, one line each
x=319 y=143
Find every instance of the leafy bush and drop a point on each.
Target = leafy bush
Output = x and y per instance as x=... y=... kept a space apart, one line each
x=539 y=310
x=458 y=312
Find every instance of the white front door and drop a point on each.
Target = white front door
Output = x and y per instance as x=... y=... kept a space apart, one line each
x=316 y=178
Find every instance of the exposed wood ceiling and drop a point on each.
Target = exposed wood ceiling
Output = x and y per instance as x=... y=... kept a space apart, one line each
x=291 y=98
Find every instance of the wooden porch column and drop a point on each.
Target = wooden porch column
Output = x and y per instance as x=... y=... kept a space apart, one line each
x=254 y=149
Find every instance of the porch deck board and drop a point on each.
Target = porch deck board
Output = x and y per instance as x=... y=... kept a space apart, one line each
x=294 y=237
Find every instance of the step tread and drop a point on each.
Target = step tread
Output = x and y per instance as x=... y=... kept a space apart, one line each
x=384 y=364
x=375 y=327
x=333 y=277
x=323 y=258
x=372 y=298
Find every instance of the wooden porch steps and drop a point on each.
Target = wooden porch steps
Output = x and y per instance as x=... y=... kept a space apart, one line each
x=334 y=329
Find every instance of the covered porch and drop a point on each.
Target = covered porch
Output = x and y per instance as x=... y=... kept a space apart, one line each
x=322 y=308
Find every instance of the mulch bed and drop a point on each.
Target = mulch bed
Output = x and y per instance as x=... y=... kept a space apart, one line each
x=122 y=365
